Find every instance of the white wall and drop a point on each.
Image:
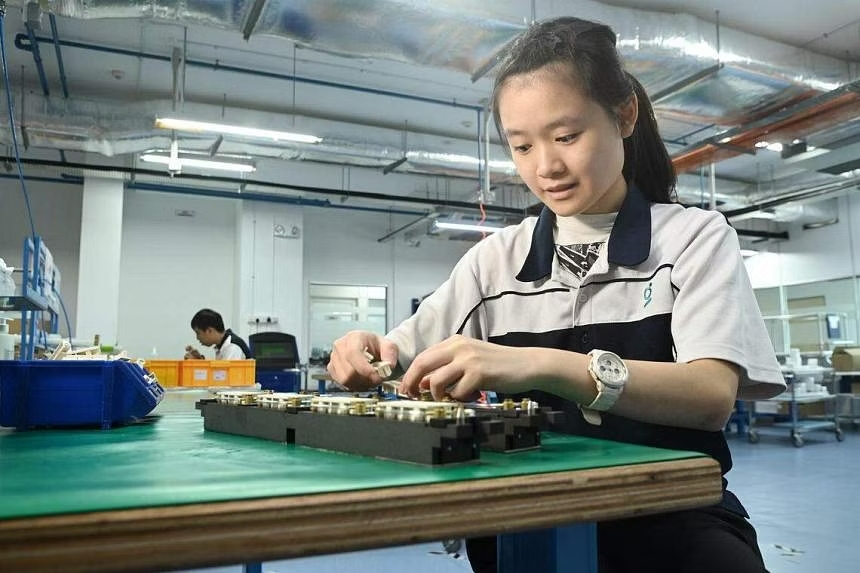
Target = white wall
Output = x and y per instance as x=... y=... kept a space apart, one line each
x=342 y=247
x=269 y=276
x=813 y=254
x=173 y=266
x=57 y=218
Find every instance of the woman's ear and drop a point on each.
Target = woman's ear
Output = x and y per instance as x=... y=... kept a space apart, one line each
x=627 y=114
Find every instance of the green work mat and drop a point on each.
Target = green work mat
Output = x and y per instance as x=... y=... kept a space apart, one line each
x=171 y=460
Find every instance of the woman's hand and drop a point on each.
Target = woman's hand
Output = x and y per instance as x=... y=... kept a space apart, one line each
x=460 y=367
x=348 y=364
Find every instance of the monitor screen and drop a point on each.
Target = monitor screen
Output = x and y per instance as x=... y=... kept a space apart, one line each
x=273 y=350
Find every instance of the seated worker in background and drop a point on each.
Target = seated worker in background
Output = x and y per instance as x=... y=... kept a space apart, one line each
x=209 y=328
x=616 y=305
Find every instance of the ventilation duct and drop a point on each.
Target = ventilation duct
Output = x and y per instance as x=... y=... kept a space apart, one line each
x=675 y=56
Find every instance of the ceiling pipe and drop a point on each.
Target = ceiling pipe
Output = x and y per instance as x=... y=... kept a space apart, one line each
x=66 y=179
x=31 y=44
x=233 y=181
x=798 y=121
x=817 y=192
x=55 y=37
x=37 y=57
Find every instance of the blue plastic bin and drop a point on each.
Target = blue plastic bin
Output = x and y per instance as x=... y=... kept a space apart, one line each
x=289 y=380
x=40 y=393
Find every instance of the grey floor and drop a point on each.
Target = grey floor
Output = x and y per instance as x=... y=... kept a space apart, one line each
x=801 y=500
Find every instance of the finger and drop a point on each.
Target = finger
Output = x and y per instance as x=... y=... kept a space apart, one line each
x=430 y=360
x=444 y=380
x=462 y=392
x=388 y=352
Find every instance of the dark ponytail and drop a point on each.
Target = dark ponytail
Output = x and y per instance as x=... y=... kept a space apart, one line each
x=586 y=51
x=646 y=160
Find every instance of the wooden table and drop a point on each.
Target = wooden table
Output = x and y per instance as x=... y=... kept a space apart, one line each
x=164 y=495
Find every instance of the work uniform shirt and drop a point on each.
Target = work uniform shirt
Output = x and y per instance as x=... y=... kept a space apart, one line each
x=668 y=285
x=232 y=348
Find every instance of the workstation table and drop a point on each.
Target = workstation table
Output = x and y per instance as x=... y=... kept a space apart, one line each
x=164 y=494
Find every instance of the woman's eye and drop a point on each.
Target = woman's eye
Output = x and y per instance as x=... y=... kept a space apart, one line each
x=567 y=138
x=521 y=148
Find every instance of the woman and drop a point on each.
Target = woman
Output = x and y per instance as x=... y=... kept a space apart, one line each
x=626 y=310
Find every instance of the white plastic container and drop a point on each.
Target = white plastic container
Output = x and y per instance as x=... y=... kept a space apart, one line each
x=7 y=342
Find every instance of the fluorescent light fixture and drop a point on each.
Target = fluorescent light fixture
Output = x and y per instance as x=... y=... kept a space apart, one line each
x=466 y=227
x=177 y=163
x=222 y=128
x=776 y=147
x=748 y=253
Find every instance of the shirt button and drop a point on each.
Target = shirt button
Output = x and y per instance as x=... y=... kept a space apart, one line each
x=583 y=298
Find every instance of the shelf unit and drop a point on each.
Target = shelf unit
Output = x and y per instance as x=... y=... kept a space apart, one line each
x=797 y=425
x=38 y=293
x=824 y=342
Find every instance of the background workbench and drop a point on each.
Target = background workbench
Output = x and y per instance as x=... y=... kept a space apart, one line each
x=163 y=494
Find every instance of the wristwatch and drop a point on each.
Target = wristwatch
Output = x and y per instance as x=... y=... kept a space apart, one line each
x=610 y=374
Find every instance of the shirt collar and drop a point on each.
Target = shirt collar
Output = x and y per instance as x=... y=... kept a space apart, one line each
x=224 y=340
x=629 y=241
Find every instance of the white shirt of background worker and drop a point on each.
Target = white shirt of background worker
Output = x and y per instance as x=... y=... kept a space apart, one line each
x=209 y=328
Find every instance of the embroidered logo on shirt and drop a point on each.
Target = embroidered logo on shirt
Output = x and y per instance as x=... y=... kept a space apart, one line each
x=646 y=294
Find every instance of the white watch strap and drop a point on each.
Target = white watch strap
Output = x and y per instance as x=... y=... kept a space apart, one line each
x=591 y=416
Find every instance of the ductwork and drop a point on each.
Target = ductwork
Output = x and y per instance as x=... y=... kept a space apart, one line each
x=757 y=74
x=707 y=77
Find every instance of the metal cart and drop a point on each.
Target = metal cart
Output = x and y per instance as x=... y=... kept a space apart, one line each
x=797 y=426
x=848 y=403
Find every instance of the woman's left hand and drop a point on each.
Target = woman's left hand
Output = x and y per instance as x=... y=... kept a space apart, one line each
x=460 y=367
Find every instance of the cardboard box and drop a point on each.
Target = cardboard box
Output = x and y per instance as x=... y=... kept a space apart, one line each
x=846 y=359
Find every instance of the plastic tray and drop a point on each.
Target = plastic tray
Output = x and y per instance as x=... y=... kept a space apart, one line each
x=41 y=393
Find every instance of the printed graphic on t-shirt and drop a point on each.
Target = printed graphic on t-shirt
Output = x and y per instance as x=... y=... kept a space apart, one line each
x=577 y=259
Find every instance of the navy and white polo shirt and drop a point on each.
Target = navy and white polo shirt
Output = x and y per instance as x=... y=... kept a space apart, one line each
x=668 y=285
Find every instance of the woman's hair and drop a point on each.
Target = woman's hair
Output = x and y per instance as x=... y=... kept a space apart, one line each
x=587 y=50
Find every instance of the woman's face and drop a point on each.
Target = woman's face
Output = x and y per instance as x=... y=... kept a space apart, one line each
x=566 y=148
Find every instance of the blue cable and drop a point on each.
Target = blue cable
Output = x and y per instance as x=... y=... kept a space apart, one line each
x=12 y=120
x=15 y=144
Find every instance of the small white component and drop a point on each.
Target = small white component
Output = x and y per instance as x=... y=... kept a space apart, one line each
x=382 y=368
x=343 y=405
x=237 y=396
x=421 y=411
x=284 y=400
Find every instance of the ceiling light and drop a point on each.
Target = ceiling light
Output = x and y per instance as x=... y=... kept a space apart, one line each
x=466 y=227
x=748 y=252
x=181 y=162
x=777 y=147
x=206 y=127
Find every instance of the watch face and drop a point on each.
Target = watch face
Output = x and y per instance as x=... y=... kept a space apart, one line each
x=610 y=369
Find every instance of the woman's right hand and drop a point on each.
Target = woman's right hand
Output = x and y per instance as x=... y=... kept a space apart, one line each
x=348 y=365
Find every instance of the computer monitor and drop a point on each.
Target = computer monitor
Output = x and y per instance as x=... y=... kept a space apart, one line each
x=274 y=350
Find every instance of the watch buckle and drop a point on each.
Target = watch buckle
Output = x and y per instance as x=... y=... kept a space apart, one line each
x=591 y=416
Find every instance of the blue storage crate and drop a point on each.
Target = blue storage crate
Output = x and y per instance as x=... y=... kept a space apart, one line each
x=40 y=393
